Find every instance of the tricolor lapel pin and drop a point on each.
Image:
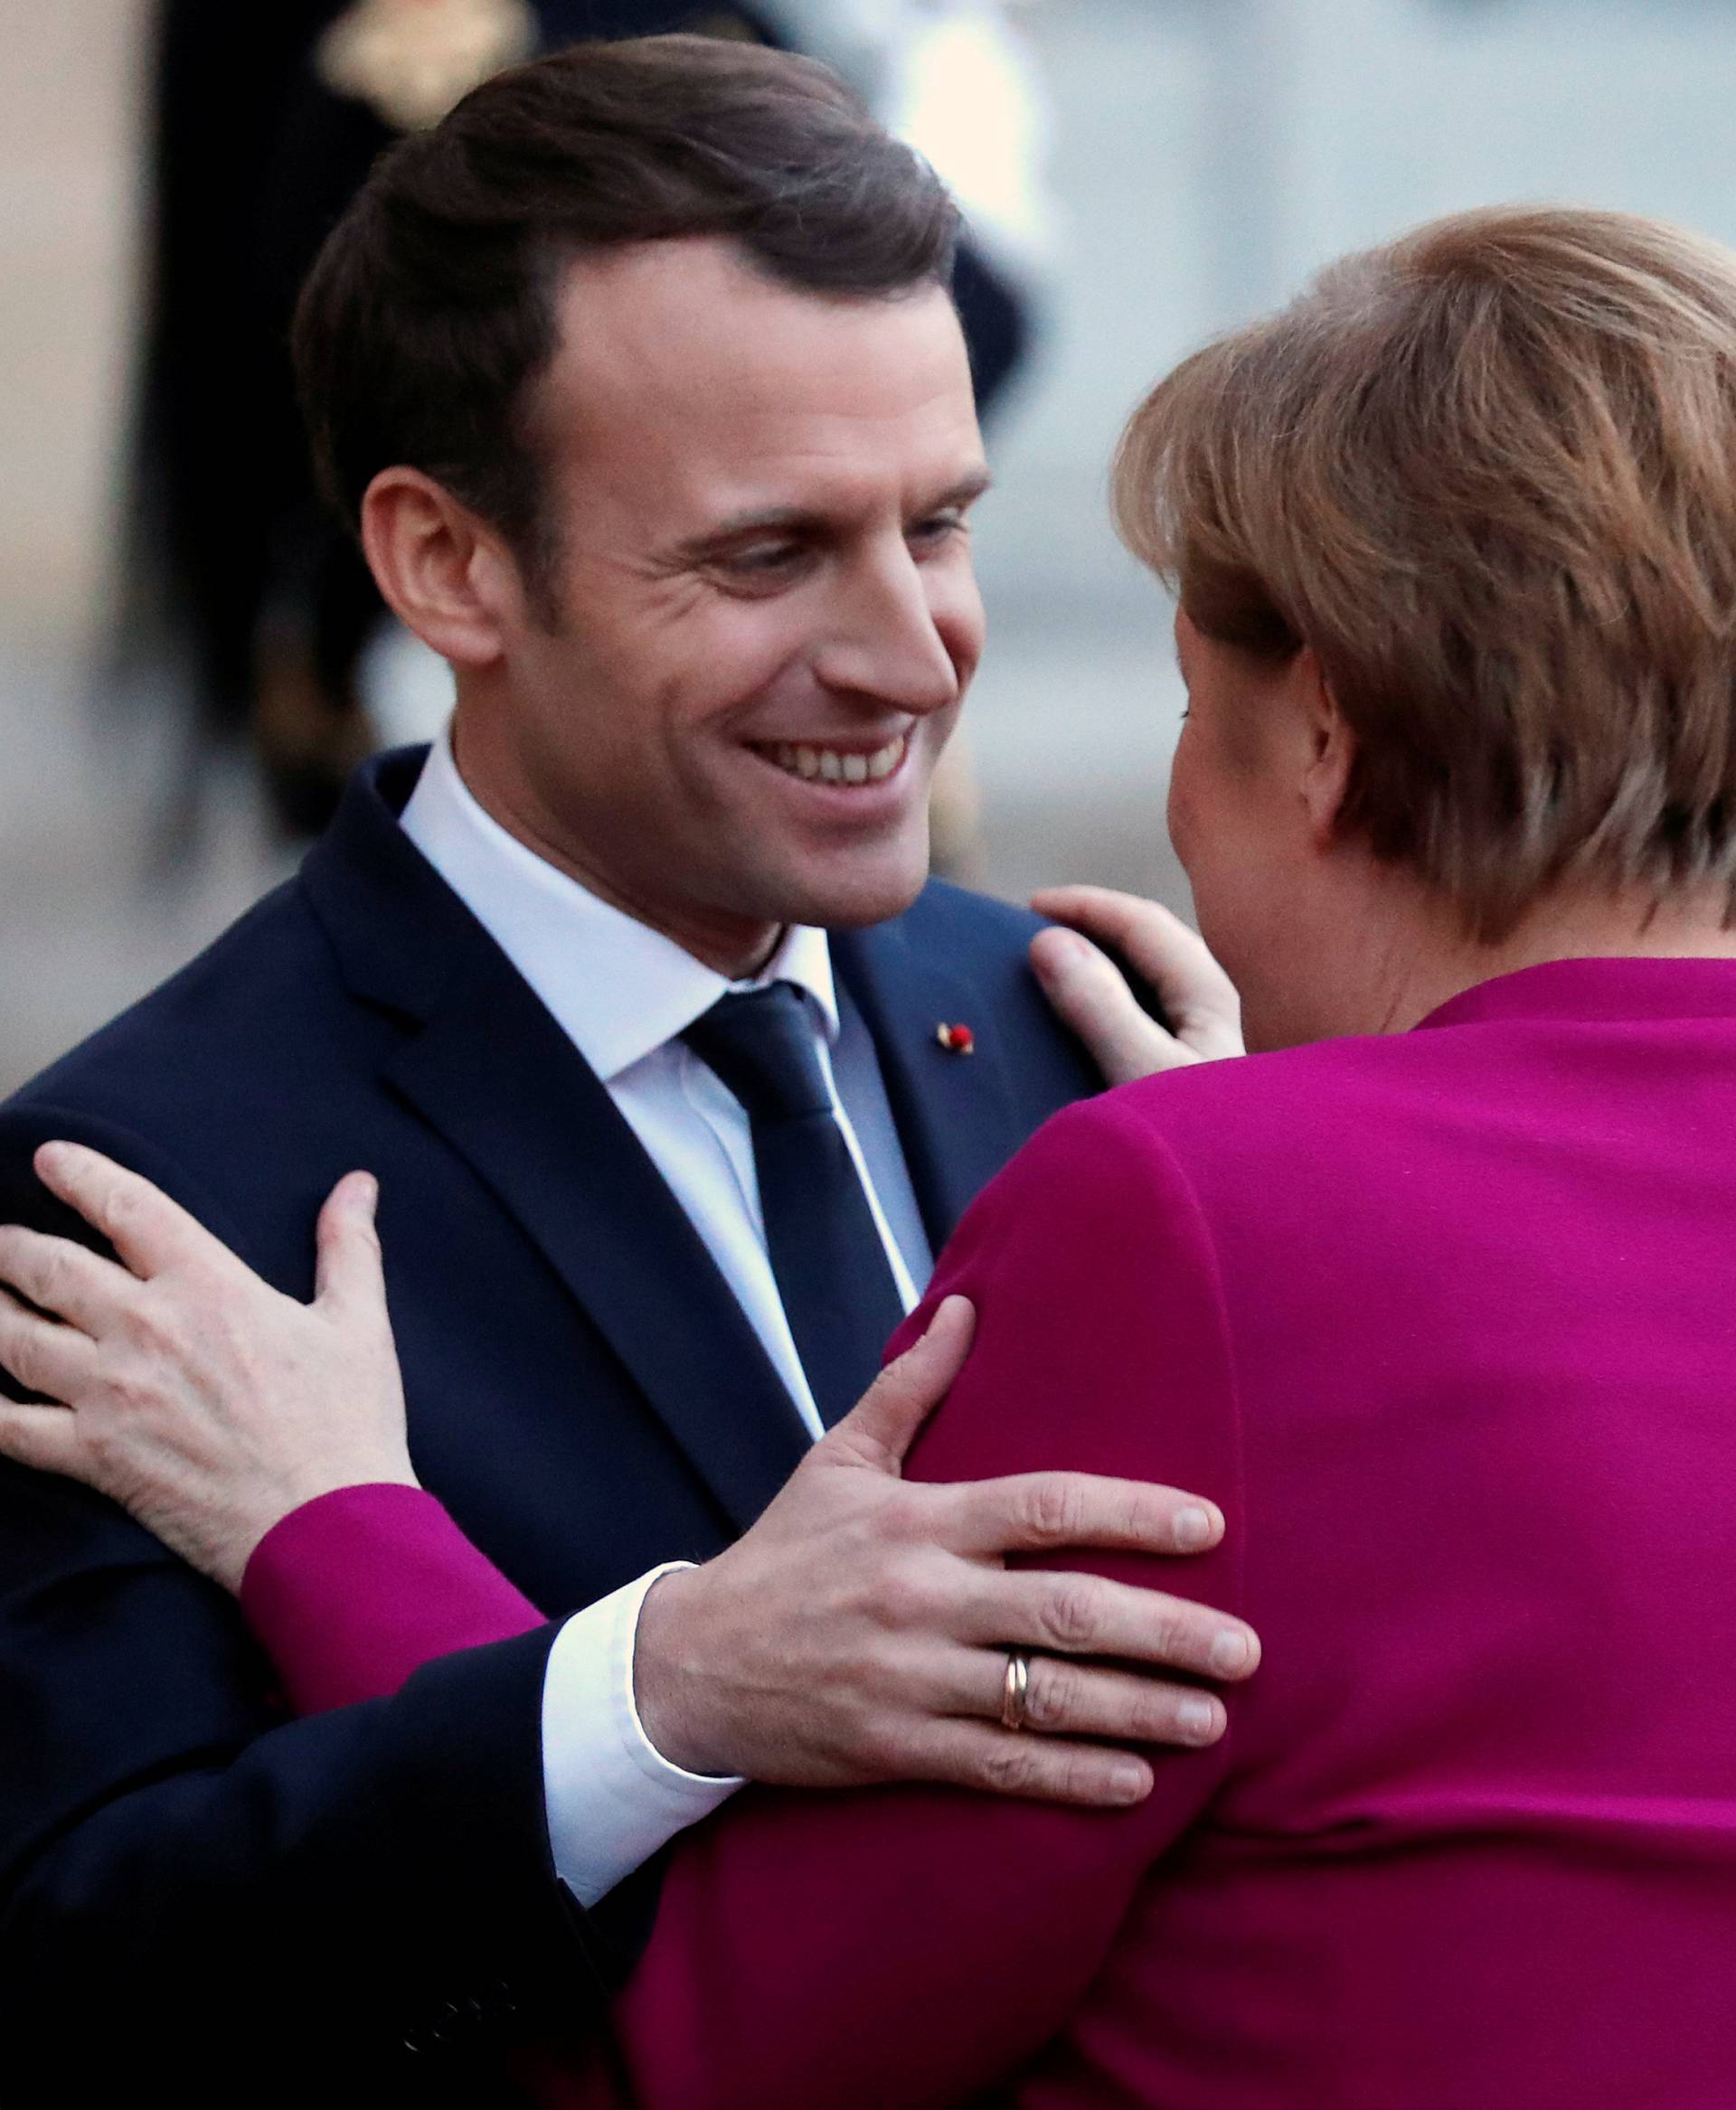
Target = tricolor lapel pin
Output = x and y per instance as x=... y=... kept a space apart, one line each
x=957 y=1039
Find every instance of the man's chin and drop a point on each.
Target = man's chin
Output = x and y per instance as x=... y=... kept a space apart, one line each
x=855 y=896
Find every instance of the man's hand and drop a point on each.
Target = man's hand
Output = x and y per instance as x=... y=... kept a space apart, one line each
x=194 y=1394
x=859 y=1631
x=1091 y=994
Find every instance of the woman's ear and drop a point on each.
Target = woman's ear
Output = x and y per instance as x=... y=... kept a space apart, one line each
x=443 y=572
x=1331 y=746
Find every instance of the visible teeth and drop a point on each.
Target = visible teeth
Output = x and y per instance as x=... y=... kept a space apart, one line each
x=833 y=765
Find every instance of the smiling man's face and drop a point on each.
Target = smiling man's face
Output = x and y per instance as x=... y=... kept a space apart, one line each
x=762 y=615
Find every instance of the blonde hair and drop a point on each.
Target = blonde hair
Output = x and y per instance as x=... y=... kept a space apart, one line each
x=1488 y=472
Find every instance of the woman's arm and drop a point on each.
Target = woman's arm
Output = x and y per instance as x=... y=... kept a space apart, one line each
x=355 y=1589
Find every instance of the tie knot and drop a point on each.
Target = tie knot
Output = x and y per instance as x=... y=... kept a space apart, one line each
x=761 y=1043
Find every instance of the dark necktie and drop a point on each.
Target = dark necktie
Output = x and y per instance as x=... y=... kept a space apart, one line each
x=832 y=1274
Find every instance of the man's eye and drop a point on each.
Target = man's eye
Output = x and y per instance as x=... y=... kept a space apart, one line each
x=940 y=529
x=763 y=558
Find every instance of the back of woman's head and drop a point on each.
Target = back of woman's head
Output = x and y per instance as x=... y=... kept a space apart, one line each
x=1488 y=472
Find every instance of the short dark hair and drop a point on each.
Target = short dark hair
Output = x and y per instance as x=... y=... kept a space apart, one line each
x=432 y=306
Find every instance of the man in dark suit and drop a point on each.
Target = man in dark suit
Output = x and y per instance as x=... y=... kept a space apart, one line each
x=639 y=379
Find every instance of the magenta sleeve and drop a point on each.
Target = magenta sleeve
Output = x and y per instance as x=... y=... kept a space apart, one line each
x=355 y=1590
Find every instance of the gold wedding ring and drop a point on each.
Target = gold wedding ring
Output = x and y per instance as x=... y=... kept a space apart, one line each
x=1016 y=1690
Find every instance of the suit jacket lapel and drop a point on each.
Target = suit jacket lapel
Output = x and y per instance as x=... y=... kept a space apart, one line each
x=955 y=1114
x=486 y=1065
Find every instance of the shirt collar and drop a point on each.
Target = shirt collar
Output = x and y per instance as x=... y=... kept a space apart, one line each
x=617 y=988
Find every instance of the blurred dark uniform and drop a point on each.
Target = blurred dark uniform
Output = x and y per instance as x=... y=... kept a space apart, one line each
x=252 y=590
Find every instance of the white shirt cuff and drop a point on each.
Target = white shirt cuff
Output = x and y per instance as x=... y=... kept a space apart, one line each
x=612 y=1797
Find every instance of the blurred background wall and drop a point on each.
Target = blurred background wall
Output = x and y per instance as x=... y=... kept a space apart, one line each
x=1202 y=157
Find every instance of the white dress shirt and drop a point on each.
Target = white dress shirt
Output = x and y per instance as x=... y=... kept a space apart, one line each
x=623 y=993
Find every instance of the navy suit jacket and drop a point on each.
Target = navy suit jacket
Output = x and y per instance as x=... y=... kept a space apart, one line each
x=185 y=1868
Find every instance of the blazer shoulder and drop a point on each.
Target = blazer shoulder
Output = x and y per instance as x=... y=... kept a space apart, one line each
x=981 y=944
x=948 y=915
x=251 y=993
x=982 y=948
x=1271 y=1136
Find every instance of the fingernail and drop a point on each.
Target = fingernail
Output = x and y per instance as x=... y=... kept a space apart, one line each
x=1193 y=1528
x=1198 y=1720
x=370 y=1191
x=1229 y=1653
x=1128 y=1783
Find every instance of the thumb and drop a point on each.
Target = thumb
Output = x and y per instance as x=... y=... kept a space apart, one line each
x=347 y=1274
x=1091 y=993
x=882 y=1425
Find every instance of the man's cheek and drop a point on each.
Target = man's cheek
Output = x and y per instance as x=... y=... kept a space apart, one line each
x=956 y=611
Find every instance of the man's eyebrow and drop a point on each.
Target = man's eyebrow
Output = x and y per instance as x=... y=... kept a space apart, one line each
x=966 y=491
x=757 y=521
x=799 y=520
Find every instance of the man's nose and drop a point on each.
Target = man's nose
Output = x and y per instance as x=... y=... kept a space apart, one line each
x=886 y=642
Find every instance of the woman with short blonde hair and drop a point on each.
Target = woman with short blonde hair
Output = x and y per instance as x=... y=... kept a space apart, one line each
x=1485 y=471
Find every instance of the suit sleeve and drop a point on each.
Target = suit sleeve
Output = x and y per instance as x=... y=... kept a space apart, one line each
x=903 y=1947
x=187 y=1876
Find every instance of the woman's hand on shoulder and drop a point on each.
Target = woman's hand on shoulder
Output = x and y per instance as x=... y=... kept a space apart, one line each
x=179 y=1383
x=1091 y=994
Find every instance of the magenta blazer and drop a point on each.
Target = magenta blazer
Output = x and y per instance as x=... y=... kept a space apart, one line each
x=1446 y=1322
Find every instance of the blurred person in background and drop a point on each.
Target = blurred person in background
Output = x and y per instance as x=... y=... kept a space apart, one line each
x=1432 y=1292
x=265 y=120
x=639 y=378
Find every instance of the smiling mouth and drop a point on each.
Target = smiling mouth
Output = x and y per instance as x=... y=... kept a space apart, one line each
x=816 y=765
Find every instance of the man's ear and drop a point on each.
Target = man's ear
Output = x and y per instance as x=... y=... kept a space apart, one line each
x=1331 y=746
x=443 y=574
